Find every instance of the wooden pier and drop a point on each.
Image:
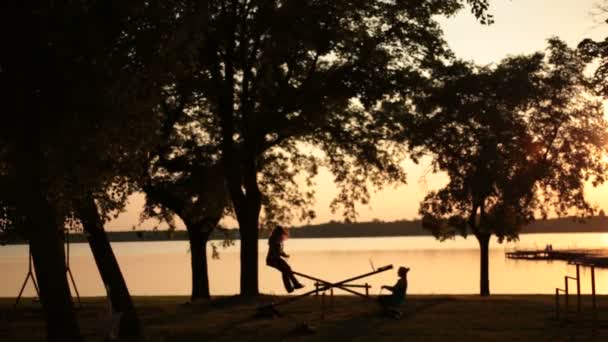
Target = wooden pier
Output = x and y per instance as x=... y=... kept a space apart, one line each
x=586 y=257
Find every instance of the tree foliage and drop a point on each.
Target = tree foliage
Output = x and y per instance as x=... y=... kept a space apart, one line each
x=597 y=51
x=86 y=77
x=328 y=73
x=517 y=140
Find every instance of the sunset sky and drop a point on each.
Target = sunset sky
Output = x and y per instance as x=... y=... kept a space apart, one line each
x=521 y=26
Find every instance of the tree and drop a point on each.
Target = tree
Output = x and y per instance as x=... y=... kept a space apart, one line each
x=201 y=212
x=516 y=139
x=198 y=197
x=279 y=73
x=185 y=179
x=109 y=269
x=75 y=87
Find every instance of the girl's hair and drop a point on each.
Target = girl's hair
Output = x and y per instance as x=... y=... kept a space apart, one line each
x=278 y=231
x=402 y=271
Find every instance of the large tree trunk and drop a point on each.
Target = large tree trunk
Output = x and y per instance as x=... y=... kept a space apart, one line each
x=239 y=168
x=109 y=269
x=38 y=220
x=248 y=229
x=249 y=258
x=198 y=237
x=249 y=218
x=484 y=274
x=49 y=262
x=247 y=206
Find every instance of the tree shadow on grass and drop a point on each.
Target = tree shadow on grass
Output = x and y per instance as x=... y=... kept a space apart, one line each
x=370 y=321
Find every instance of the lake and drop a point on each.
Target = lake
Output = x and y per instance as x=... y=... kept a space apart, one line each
x=450 y=267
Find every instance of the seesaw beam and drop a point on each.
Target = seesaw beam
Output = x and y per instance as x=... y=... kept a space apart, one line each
x=327 y=286
x=324 y=282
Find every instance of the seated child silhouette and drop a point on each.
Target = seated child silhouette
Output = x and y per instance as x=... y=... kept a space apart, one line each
x=399 y=290
x=275 y=258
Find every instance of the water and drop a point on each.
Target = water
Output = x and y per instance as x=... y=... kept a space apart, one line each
x=450 y=267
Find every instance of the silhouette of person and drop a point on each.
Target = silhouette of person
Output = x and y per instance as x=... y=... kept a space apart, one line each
x=398 y=290
x=275 y=258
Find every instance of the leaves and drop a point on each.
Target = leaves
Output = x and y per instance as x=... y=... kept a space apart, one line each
x=85 y=78
x=336 y=75
x=516 y=140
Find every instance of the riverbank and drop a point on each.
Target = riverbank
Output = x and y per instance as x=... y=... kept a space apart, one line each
x=426 y=318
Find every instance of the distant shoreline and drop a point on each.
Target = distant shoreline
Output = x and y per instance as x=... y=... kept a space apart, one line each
x=356 y=229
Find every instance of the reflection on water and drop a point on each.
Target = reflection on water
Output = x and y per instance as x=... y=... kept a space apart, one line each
x=451 y=267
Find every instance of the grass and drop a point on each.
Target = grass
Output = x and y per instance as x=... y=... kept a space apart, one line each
x=426 y=318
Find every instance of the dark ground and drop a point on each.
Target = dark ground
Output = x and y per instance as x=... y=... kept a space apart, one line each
x=426 y=318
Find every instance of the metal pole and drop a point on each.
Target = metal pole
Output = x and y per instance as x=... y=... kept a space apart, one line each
x=593 y=302
x=578 y=288
x=30 y=274
x=67 y=266
x=22 y=288
x=566 y=299
x=35 y=285
x=557 y=303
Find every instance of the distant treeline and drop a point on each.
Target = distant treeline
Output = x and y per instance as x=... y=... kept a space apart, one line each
x=357 y=229
x=414 y=228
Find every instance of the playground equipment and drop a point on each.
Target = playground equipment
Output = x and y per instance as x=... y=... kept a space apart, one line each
x=322 y=286
x=67 y=265
x=594 y=259
x=28 y=276
x=566 y=293
x=30 y=272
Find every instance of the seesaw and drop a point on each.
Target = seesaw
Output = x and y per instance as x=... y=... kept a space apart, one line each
x=271 y=309
x=321 y=284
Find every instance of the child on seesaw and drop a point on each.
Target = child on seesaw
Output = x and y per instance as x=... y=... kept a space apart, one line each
x=399 y=290
x=275 y=258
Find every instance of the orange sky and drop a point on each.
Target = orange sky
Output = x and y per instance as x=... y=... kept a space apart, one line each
x=521 y=26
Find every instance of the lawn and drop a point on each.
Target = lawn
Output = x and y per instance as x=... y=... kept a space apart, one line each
x=426 y=318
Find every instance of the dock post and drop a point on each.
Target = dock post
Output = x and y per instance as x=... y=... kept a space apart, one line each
x=593 y=302
x=578 y=289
